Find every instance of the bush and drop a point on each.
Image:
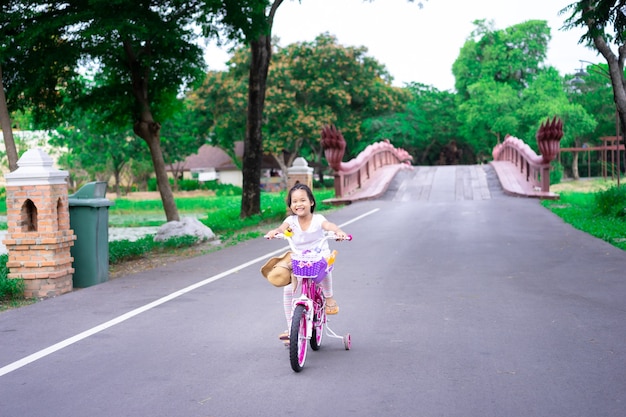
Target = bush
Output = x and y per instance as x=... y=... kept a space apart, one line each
x=556 y=173
x=123 y=250
x=611 y=202
x=192 y=185
x=10 y=289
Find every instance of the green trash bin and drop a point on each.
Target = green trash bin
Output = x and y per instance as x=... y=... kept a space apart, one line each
x=89 y=218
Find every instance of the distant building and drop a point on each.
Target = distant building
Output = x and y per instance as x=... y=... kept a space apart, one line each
x=212 y=163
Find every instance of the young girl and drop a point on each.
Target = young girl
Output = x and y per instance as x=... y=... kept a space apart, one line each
x=308 y=230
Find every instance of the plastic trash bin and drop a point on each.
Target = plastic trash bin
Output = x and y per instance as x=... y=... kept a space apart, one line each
x=89 y=218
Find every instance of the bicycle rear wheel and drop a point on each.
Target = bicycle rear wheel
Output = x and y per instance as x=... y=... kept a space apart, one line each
x=297 y=339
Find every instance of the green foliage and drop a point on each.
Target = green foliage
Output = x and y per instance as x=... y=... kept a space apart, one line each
x=193 y=185
x=426 y=128
x=101 y=150
x=10 y=289
x=510 y=56
x=581 y=211
x=612 y=202
x=309 y=84
x=494 y=71
x=36 y=56
x=182 y=135
x=124 y=250
x=556 y=172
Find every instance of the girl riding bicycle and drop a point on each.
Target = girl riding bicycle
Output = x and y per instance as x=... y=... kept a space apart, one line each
x=308 y=231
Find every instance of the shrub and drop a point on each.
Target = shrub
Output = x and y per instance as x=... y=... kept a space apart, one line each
x=556 y=173
x=192 y=185
x=123 y=250
x=611 y=202
x=10 y=289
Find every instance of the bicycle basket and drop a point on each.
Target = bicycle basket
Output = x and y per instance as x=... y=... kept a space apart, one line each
x=310 y=264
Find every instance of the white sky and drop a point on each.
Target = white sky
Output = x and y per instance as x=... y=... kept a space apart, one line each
x=416 y=44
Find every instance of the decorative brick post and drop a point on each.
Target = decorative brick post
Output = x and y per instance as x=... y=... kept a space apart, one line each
x=300 y=172
x=39 y=237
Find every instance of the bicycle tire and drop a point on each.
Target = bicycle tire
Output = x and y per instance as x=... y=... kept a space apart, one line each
x=297 y=339
x=318 y=331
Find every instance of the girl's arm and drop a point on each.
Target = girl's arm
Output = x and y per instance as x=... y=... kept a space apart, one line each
x=332 y=227
x=279 y=229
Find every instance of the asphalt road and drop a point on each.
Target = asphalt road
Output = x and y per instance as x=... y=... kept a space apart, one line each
x=460 y=301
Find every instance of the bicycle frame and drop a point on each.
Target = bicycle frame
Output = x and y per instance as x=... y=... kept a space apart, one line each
x=309 y=293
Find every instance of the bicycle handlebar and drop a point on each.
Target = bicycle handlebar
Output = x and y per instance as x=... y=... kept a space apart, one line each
x=328 y=235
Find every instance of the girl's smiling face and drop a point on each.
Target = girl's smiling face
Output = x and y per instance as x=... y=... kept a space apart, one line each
x=300 y=203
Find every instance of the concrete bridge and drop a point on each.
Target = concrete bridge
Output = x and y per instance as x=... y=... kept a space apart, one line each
x=520 y=170
x=449 y=182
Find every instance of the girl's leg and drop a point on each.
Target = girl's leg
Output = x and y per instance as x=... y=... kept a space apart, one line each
x=287 y=299
x=327 y=286
x=327 y=289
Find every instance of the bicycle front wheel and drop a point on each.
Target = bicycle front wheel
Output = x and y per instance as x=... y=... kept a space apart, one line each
x=318 y=330
x=297 y=339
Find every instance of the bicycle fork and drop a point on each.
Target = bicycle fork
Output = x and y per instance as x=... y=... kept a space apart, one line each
x=308 y=307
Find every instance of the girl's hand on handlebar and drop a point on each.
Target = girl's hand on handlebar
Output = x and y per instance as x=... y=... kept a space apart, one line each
x=340 y=235
x=271 y=234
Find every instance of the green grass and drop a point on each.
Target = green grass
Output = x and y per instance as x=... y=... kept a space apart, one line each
x=601 y=214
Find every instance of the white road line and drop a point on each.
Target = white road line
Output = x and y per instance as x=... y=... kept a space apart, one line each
x=120 y=319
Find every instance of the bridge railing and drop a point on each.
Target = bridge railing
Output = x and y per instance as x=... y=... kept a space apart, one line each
x=533 y=170
x=530 y=166
x=355 y=174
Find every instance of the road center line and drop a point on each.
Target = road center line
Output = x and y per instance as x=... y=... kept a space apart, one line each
x=120 y=319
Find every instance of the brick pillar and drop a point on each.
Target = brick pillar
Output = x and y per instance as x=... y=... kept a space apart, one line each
x=300 y=172
x=39 y=237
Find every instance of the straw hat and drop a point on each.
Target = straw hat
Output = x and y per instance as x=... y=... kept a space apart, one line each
x=277 y=270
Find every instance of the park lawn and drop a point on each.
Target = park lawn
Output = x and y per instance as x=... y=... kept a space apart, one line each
x=578 y=207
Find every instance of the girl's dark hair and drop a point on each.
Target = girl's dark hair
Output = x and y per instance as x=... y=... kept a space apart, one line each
x=300 y=186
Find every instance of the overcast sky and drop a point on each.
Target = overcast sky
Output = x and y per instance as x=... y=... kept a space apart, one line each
x=419 y=45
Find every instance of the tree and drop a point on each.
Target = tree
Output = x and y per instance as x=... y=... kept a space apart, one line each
x=495 y=68
x=488 y=115
x=426 y=127
x=182 y=135
x=309 y=84
x=221 y=103
x=250 y=22
x=36 y=57
x=256 y=29
x=605 y=25
x=260 y=56
x=146 y=53
x=322 y=82
x=511 y=56
x=547 y=96
x=101 y=149
x=592 y=89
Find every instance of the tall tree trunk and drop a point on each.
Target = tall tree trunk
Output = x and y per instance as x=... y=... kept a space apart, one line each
x=575 y=173
x=261 y=54
x=149 y=131
x=253 y=144
x=7 y=129
x=616 y=71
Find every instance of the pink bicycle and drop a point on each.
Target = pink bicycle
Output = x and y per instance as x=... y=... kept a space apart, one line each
x=308 y=313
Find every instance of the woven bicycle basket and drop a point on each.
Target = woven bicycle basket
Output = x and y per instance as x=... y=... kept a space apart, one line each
x=310 y=264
